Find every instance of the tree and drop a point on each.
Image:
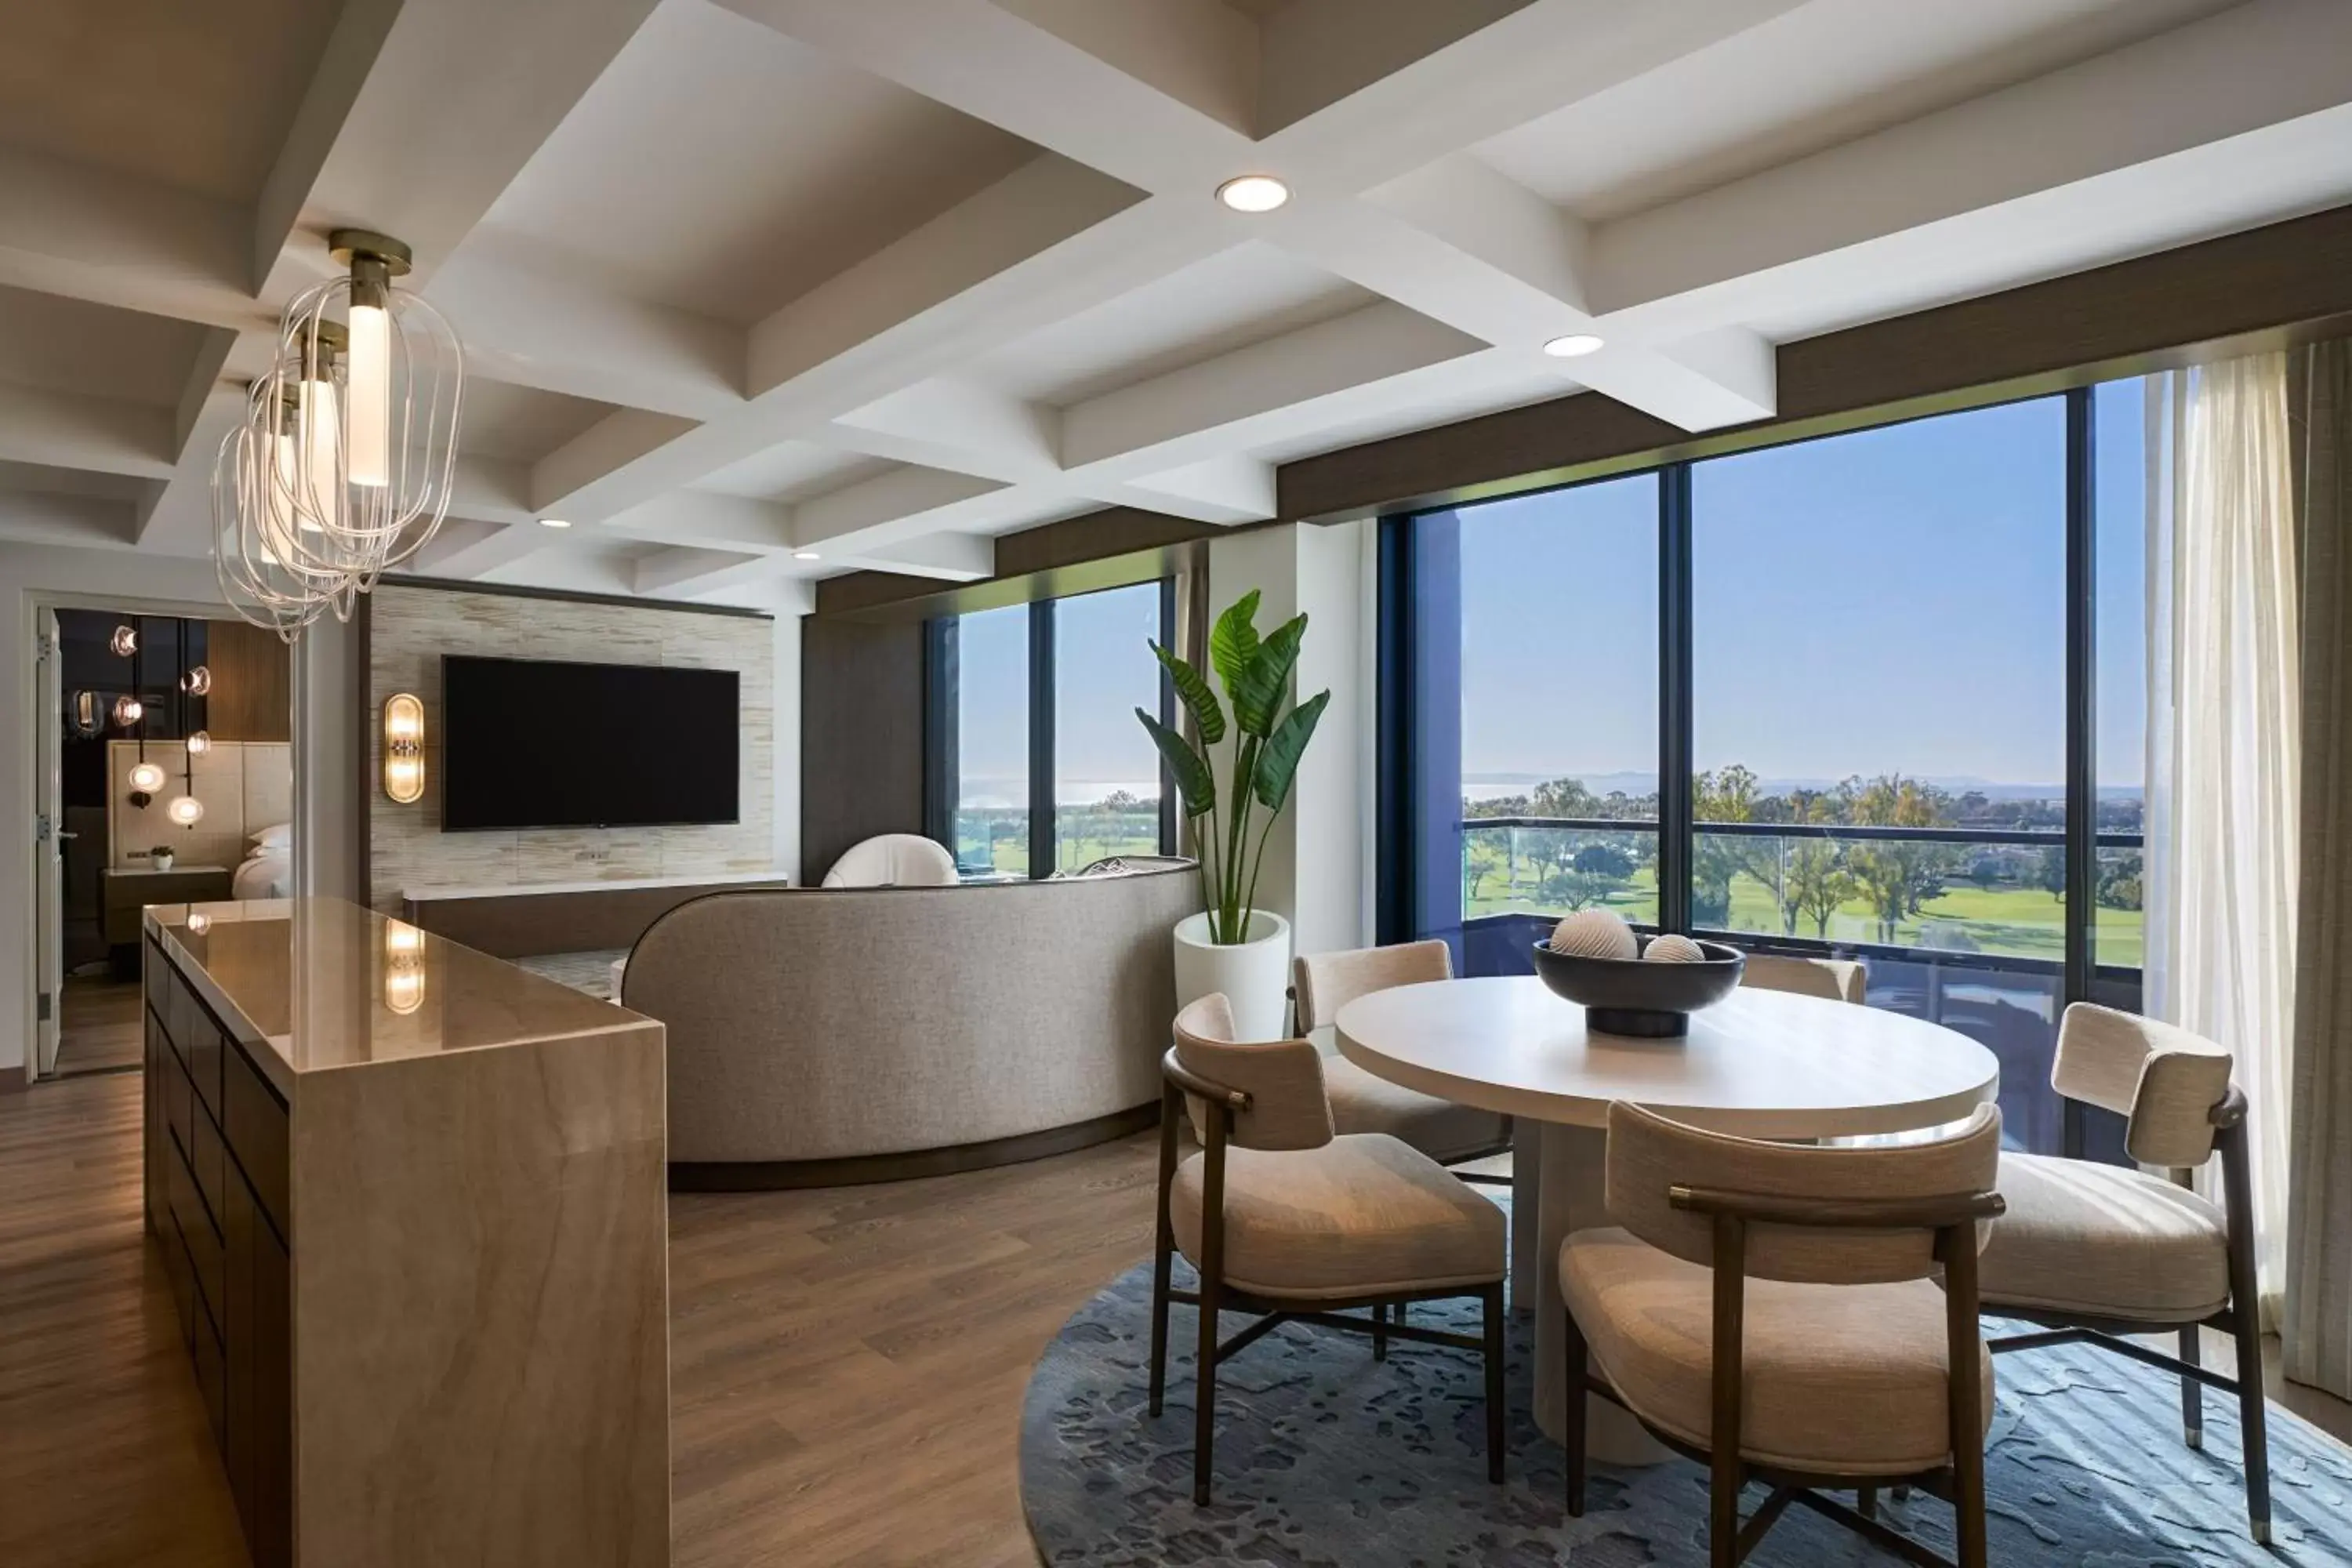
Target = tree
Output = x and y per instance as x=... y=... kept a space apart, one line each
x=1818 y=883
x=2119 y=883
x=2050 y=873
x=1897 y=876
x=1728 y=795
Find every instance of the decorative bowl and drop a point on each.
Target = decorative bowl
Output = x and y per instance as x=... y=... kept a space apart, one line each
x=1633 y=996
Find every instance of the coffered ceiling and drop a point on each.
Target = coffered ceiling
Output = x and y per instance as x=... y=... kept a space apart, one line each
x=767 y=290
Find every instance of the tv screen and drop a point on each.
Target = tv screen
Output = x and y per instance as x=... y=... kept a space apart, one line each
x=536 y=744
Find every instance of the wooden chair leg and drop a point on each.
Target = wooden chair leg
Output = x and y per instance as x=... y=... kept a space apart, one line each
x=2193 y=1394
x=2245 y=1322
x=1204 y=1414
x=1163 y=1257
x=1726 y=1474
x=1491 y=1307
x=1964 y=1351
x=1379 y=1332
x=1575 y=1358
x=1866 y=1502
x=2252 y=1412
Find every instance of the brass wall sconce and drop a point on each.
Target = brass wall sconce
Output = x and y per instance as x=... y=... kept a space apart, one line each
x=404 y=749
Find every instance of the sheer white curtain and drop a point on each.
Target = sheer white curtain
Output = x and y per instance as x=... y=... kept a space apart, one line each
x=2224 y=732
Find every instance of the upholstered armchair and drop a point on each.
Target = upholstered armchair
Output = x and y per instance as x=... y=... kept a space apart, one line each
x=1832 y=979
x=1286 y=1219
x=1772 y=1311
x=2094 y=1252
x=1322 y=984
x=894 y=860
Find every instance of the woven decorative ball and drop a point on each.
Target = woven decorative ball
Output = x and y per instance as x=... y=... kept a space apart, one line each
x=1595 y=934
x=1672 y=949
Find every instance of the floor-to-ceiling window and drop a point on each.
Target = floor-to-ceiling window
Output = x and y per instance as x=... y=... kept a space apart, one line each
x=1892 y=681
x=1039 y=764
x=991 y=655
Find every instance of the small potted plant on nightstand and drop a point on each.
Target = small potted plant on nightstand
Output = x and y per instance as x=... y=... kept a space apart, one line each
x=1232 y=945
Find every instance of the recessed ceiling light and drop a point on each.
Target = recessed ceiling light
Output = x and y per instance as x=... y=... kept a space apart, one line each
x=804 y=556
x=1576 y=346
x=553 y=523
x=1253 y=194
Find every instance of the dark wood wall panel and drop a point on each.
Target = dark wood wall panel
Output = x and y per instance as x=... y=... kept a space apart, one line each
x=2239 y=292
x=861 y=736
x=253 y=693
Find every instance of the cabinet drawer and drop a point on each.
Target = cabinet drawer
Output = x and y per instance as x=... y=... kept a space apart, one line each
x=259 y=1137
x=205 y=1044
x=212 y=1375
x=181 y=1017
x=196 y=1233
x=209 y=1160
x=179 y=1101
x=157 y=972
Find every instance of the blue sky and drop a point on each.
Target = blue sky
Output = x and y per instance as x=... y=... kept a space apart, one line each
x=1889 y=600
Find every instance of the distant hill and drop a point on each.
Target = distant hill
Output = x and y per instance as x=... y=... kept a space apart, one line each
x=1486 y=787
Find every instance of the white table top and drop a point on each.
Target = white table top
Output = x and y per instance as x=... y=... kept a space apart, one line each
x=1762 y=1064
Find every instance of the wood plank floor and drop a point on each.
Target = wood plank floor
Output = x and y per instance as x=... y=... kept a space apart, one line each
x=99 y=1026
x=847 y=1366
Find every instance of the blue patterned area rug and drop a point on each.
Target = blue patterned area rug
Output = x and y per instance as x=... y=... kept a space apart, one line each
x=1329 y=1460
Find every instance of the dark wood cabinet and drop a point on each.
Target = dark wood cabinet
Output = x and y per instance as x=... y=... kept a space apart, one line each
x=216 y=1183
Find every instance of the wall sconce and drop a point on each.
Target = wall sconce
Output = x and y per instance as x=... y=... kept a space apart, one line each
x=197 y=681
x=404 y=749
x=128 y=710
x=186 y=810
x=85 y=717
x=404 y=967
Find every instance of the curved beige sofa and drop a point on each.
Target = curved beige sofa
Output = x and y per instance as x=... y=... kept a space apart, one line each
x=820 y=1037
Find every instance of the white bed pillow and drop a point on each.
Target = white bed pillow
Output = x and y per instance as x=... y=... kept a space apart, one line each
x=279 y=836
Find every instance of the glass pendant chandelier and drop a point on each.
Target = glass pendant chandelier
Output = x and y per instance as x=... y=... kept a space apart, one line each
x=343 y=464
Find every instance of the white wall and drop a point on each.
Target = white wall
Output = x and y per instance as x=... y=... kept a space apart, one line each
x=1318 y=869
x=111 y=579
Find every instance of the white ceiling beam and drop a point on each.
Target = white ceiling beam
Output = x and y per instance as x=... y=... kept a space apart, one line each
x=1241 y=485
x=74 y=430
x=48 y=517
x=86 y=234
x=679 y=566
x=2248 y=69
x=344 y=64
x=947 y=556
x=468 y=548
x=895 y=499
x=1495 y=221
x=708 y=519
x=1373 y=344
x=611 y=443
x=965 y=422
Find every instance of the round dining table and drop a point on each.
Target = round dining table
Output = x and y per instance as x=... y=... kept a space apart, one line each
x=1760 y=1064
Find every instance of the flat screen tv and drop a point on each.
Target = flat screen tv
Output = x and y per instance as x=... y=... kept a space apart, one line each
x=541 y=743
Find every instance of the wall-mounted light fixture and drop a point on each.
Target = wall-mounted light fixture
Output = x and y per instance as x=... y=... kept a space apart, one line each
x=84 y=715
x=404 y=967
x=404 y=749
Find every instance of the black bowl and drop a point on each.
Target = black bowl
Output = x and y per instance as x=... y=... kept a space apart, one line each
x=1635 y=997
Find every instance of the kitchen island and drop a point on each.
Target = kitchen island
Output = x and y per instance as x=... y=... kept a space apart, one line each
x=410 y=1201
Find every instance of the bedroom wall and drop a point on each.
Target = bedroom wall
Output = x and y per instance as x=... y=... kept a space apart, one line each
x=244 y=786
x=408 y=631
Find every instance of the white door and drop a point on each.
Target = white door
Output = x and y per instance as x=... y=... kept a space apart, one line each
x=48 y=846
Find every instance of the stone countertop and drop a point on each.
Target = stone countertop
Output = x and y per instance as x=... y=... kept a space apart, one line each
x=371 y=990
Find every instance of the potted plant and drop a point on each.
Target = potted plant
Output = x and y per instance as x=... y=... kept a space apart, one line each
x=1232 y=945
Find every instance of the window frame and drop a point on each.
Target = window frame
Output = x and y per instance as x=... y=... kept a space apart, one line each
x=1405 y=799
x=941 y=725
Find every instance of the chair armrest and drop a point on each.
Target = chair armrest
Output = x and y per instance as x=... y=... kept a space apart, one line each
x=1872 y=1214
x=2231 y=1111
x=1191 y=1082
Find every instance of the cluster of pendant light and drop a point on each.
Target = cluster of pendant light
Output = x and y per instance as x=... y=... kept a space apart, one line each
x=147 y=779
x=342 y=465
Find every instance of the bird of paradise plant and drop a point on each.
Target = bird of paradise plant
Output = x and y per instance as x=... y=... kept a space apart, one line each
x=1267 y=743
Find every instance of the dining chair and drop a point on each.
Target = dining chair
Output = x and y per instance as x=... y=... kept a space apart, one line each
x=1772 y=1311
x=1284 y=1219
x=1322 y=984
x=1832 y=979
x=2094 y=1252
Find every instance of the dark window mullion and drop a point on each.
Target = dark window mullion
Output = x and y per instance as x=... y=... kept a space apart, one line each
x=941 y=780
x=1675 y=744
x=1168 y=715
x=1041 y=740
x=2082 y=698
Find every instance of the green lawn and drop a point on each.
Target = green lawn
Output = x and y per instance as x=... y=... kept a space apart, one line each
x=2018 y=922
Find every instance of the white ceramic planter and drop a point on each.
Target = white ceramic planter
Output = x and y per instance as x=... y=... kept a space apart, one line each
x=1254 y=975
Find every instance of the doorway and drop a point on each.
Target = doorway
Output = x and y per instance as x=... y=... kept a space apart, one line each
x=165 y=776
